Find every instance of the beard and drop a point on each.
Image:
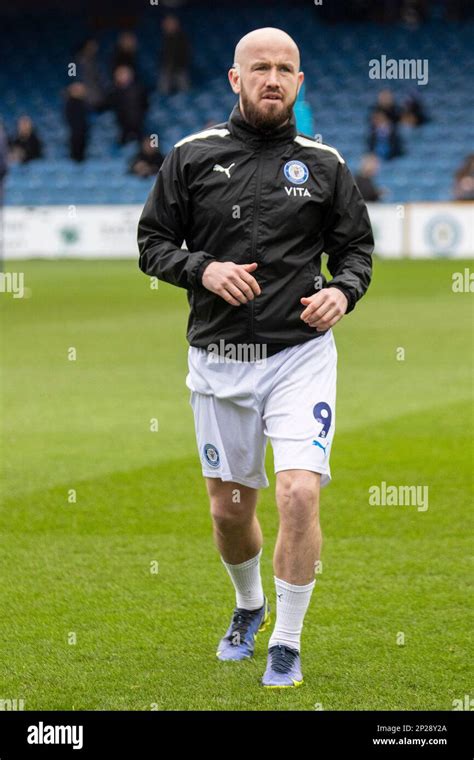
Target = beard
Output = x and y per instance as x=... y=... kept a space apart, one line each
x=269 y=118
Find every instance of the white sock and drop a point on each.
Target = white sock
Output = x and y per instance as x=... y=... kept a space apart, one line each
x=292 y=603
x=247 y=582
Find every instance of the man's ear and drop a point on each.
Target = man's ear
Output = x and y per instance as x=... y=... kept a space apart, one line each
x=300 y=81
x=234 y=79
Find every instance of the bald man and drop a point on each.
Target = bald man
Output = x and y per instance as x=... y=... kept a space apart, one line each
x=257 y=204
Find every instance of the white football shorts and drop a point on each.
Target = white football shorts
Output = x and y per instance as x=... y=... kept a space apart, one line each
x=289 y=398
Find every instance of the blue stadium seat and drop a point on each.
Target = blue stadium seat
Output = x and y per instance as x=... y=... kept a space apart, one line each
x=338 y=91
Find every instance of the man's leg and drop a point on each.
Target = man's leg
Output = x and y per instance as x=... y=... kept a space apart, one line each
x=300 y=416
x=231 y=445
x=237 y=532
x=182 y=80
x=297 y=550
x=164 y=81
x=238 y=537
x=299 y=541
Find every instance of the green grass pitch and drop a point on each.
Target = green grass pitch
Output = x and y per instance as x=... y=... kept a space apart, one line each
x=82 y=571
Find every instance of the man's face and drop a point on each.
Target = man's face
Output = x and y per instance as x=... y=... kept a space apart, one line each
x=25 y=126
x=268 y=82
x=123 y=76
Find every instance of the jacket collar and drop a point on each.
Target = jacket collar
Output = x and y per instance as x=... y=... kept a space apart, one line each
x=242 y=130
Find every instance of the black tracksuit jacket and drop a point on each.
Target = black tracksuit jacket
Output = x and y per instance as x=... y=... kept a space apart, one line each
x=279 y=198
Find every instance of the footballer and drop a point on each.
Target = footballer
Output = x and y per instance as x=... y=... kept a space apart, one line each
x=257 y=204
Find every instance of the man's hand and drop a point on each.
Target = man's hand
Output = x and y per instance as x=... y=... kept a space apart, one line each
x=230 y=281
x=325 y=308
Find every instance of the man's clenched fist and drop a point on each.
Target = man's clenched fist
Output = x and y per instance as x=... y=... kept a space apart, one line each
x=325 y=308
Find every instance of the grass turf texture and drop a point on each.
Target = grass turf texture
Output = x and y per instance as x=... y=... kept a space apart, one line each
x=147 y=640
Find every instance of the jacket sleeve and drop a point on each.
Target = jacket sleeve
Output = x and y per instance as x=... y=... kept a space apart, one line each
x=348 y=239
x=162 y=229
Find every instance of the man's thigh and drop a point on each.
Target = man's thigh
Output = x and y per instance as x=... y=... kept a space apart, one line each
x=300 y=410
x=230 y=497
x=230 y=440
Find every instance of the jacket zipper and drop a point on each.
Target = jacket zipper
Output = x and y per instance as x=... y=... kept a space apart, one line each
x=253 y=248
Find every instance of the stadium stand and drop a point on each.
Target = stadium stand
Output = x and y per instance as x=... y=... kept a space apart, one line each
x=339 y=94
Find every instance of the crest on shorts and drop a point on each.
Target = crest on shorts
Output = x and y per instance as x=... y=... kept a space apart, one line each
x=211 y=455
x=296 y=172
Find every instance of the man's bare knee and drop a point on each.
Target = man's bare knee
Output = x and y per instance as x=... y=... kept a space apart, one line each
x=232 y=505
x=297 y=495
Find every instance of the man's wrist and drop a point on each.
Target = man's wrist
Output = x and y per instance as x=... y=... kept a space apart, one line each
x=345 y=291
x=201 y=268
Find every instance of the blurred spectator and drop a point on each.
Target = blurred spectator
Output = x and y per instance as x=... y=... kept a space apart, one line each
x=88 y=72
x=3 y=153
x=25 y=145
x=129 y=100
x=368 y=169
x=383 y=138
x=414 y=12
x=3 y=174
x=381 y=11
x=464 y=180
x=458 y=10
x=175 y=57
x=384 y=11
x=303 y=113
x=413 y=113
x=125 y=52
x=76 y=113
x=147 y=161
x=386 y=104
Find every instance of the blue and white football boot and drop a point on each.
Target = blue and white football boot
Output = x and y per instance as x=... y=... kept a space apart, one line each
x=239 y=640
x=283 y=668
